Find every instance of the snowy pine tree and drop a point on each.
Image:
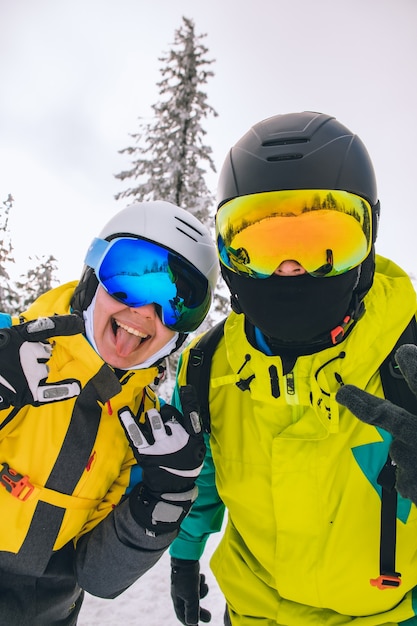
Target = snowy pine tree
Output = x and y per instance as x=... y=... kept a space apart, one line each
x=38 y=279
x=17 y=296
x=168 y=154
x=169 y=157
x=8 y=295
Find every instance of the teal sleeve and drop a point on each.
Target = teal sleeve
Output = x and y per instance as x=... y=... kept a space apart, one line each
x=5 y=320
x=206 y=514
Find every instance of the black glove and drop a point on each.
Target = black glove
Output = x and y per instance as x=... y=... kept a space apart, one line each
x=395 y=420
x=170 y=448
x=24 y=352
x=187 y=587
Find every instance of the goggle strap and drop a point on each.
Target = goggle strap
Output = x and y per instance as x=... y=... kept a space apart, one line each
x=95 y=252
x=376 y=209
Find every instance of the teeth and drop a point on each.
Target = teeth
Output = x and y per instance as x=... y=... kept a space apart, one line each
x=132 y=331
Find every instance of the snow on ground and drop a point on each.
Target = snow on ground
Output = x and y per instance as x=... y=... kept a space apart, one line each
x=148 y=601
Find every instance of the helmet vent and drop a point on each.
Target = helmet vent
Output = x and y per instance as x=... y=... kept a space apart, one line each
x=187 y=234
x=195 y=234
x=284 y=142
x=284 y=157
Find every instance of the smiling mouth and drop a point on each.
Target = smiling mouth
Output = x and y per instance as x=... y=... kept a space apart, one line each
x=130 y=330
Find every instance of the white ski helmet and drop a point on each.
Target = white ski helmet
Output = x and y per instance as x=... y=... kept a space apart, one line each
x=148 y=227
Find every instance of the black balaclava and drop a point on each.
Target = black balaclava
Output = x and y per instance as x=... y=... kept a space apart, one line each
x=297 y=313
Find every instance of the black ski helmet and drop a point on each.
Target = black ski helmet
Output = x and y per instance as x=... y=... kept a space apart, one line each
x=306 y=150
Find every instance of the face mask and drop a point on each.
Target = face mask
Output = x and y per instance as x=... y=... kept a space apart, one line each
x=295 y=309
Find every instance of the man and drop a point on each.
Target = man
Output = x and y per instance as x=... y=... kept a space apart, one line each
x=315 y=314
x=77 y=414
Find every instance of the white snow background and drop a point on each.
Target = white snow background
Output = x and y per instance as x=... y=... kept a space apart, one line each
x=148 y=601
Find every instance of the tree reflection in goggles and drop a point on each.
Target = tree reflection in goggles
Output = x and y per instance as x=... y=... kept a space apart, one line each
x=327 y=231
x=137 y=272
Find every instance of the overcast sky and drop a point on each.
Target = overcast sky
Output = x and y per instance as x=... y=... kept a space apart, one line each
x=75 y=76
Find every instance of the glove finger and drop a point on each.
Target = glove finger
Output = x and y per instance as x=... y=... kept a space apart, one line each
x=53 y=392
x=132 y=430
x=405 y=456
x=41 y=351
x=205 y=616
x=54 y=326
x=32 y=358
x=179 y=608
x=191 y=410
x=406 y=357
x=157 y=425
x=406 y=485
x=377 y=411
x=204 y=588
x=191 y=612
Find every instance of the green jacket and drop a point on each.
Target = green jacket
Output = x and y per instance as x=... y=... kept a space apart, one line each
x=297 y=474
x=71 y=529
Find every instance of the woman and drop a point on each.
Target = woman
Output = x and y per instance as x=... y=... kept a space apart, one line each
x=77 y=413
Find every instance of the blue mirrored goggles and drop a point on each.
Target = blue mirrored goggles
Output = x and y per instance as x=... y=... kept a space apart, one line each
x=137 y=272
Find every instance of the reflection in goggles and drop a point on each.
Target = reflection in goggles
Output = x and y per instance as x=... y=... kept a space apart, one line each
x=327 y=231
x=138 y=272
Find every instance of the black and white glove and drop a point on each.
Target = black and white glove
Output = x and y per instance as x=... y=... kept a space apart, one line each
x=24 y=353
x=188 y=586
x=400 y=423
x=170 y=448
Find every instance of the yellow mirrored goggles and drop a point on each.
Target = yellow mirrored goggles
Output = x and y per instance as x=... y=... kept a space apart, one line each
x=327 y=231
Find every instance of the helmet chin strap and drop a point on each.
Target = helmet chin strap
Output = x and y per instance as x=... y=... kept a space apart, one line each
x=338 y=333
x=84 y=292
x=234 y=303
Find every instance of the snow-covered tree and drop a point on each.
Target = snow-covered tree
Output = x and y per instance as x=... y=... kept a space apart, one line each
x=8 y=295
x=168 y=155
x=38 y=279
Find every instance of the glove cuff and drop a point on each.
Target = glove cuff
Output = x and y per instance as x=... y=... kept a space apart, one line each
x=184 y=571
x=175 y=562
x=160 y=513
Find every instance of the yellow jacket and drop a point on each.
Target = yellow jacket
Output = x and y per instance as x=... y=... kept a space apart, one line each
x=297 y=474
x=76 y=462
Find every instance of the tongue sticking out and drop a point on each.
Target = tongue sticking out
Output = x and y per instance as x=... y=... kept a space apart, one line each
x=126 y=343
